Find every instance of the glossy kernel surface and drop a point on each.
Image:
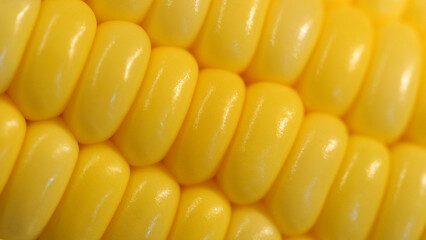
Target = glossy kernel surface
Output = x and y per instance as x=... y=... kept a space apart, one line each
x=296 y=199
x=159 y=110
x=175 y=22
x=403 y=211
x=213 y=119
x=355 y=197
x=12 y=133
x=203 y=213
x=230 y=34
x=268 y=126
x=336 y=70
x=289 y=36
x=38 y=180
x=92 y=195
x=148 y=206
x=110 y=81
x=386 y=100
x=54 y=58
x=251 y=222
x=208 y=127
x=17 y=19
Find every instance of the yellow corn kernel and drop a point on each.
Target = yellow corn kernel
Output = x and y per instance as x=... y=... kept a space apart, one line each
x=12 y=132
x=403 y=211
x=354 y=199
x=148 y=206
x=304 y=173
x=92 y=196
x=208 y=128
x=17 y=19
x=416 y=131
x=39 y=178
x=251 y=223
x=160 y=107
x=230 y=33
x=203 y=213
x=269 y=123
x=54 y=58
x=383 y=10
x=386 y=100
x=335 y=72
x=289 y=36
x=175 y=22
x=110 y=81
x=126 y=10
x=296 y=199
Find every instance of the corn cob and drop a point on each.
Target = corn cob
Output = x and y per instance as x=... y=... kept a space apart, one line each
x=254 y=119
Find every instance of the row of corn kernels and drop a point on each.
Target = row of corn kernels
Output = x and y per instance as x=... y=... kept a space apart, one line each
x=274 y=41
x=334 y=57
x=337 y=186
x=88 y=117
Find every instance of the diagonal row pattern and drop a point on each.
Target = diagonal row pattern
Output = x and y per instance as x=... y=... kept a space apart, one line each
x=212 y=119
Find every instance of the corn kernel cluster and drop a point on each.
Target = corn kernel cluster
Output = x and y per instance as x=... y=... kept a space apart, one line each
x=212 y=119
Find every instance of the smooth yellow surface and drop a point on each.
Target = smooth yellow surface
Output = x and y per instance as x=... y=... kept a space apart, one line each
x=335 y=3
x=148 y=206
x=160 y=107
x=92 y=196
x=386 y=100
x=54 y=58
x=296 y=199
x=251 y=222
x=268 y=126
x=416 y=130
x=403 y=211
x=110 y=81
x=230 y=34
x=208 y=127
x=335 y=72
x=126 y=10
x=12 y=132
x=203 y=213
x=415 y=13
x=304 y=237
x=17 y=19
x=175 y=22
x=38 y=180
x=355 y=197
x=383 y=10
x=290 y=33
